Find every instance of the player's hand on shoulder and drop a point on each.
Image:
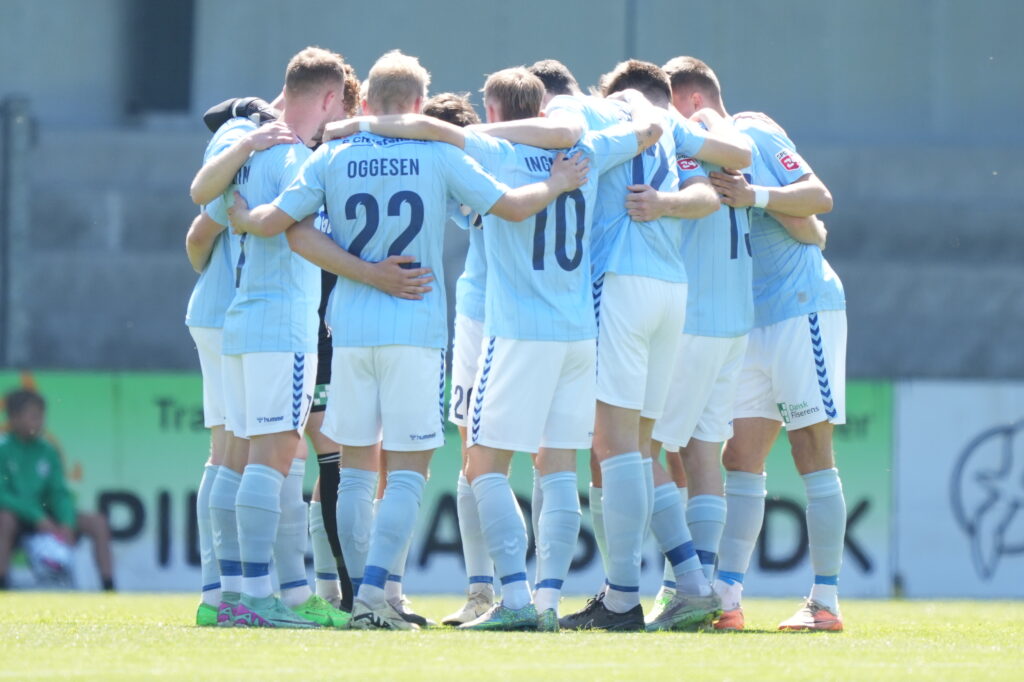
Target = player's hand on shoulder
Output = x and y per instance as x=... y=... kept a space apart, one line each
x=393 y=276
x=270 y=134
x=708 y=116
x=733 y=188
x=335 y=130
x=643 y=203
x=570 y=172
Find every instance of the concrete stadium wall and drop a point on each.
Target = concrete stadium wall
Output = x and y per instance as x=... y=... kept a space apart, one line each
x=902 y=108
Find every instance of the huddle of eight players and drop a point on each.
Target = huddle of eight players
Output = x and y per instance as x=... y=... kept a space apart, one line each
x=644 y=270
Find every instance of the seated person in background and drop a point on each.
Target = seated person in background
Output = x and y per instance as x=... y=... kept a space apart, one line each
x=34 y=497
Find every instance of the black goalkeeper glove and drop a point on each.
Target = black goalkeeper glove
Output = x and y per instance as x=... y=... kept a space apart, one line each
x=253 y=108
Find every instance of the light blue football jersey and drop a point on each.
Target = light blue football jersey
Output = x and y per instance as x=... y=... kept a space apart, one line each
x=538 y=270
x=620 y=245
x=716 y=248
x=472 y=283
x=645 y=249
x=389 y=197
x=790 y=278
x=277 y=291
x=216 y=287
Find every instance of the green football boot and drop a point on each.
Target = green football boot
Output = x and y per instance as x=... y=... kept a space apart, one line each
x=206 y=615
x=547 y=621
x=319 y=610
x=500 y=617
x=268 y=612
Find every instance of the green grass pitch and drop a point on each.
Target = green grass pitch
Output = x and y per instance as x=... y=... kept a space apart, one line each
x=138 y=636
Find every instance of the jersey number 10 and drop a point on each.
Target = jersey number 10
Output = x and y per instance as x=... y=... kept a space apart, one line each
x=540 y=224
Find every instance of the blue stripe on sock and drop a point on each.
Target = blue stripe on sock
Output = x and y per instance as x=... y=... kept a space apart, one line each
x=513 y=578
x=550 y=583
x=392 y=578
x=481 y=579
x=211 y=586
x=730 y=577
x=326 y=576
x=375 y=576
x=706 y=558
x=678 y=555
x=228 y=567
x=255 y=570
x=623 y=588
x=670 y=584
x=826 y=580
x=294 y=583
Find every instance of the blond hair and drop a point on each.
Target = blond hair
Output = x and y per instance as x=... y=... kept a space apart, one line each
x=516 y=91
x=395 y=81
x=311 y=69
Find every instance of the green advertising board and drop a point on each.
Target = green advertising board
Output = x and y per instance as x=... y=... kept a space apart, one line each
x=134 y=446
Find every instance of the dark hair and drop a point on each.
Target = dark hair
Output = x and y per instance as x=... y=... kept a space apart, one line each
x=453 y=108
x=556 y=77
x=693 y=74
x=17 y=401
x=646 y=77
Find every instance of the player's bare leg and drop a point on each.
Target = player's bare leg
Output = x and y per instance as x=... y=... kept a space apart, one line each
x=743 y=457
x=96 y=528
x=557 y=529
x=826 y=526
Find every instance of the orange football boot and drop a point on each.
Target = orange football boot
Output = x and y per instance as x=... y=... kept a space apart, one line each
x=813 y=616
x=730 y=620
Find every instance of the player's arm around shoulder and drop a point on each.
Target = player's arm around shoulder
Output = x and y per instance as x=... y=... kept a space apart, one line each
x=217 y=174
x=393 y=276
x=723 y=145
x=199 y=240
x=567 y=174
x=540 y=131
x=408 y=126
x=695 y=199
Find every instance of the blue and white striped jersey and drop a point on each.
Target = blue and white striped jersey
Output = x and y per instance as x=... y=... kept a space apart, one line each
x=216 y=287
x=789 y=278
x=716 y=249
x=620 y=245
x=646 y=249
x=387 y=197
x=472 y=283
x=538 y=270
x=277 y=291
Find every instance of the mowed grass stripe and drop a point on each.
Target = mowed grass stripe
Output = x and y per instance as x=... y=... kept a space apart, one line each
x=47 y=635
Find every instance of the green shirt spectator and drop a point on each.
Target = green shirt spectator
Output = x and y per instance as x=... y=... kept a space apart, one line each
x=32 y=483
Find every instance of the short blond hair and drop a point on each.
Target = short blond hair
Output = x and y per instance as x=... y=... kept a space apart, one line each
x=311 y=69
x=395 y=81
x=517 y=91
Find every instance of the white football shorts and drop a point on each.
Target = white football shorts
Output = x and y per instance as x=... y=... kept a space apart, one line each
x=208 y=345
x=795 y=371
x=268 y=392
x=640 y=322
x=466 y=348
x=703 y=392
x=533 y=394
x=389 y=394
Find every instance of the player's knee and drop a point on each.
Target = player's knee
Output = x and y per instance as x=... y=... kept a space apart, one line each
x=739 y=457
x=812 y=447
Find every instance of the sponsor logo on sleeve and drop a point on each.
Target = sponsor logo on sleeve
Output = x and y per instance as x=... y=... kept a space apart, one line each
x=789 y=161
x=686 y=164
